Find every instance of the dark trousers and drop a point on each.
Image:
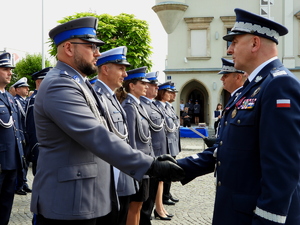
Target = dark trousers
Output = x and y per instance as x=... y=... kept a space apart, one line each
x=21 y=178
x=148 y=205
x=124 y=205
x=166 y=193
x=186 y=123
x=167 y=187
x=104 y=220
x=7 y=193
x=216 y=124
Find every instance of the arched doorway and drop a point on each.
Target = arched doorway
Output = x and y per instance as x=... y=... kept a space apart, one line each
x=194 y=90
x=226 y=96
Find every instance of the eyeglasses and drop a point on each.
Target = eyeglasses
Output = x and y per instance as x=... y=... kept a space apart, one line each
x=94 y=46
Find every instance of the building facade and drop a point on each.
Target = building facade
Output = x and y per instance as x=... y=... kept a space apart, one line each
x=195 y=45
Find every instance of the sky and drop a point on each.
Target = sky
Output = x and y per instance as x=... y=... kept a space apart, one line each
x=21 y=23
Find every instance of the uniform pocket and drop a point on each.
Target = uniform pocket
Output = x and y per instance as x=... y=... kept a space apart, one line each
x=75 y=189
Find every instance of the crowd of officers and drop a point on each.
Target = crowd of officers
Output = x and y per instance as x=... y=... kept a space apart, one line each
x=19 y=145
x=140 y=113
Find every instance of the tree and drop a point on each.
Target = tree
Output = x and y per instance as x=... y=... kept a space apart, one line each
x=121 y=30
x=27 y=66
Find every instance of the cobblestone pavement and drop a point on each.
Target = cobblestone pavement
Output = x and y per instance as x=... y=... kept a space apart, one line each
x=195 y=204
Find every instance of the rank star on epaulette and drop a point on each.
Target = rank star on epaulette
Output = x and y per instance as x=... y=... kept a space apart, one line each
x=63 y=72
x=279 y=72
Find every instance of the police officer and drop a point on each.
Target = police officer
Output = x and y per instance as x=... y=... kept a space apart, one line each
x=21 y=89
x=136 y=85
x=112 y=66
x=159 y=144
x=233 y=81
x=232 y=78
x=190 y=105
x=74 y=183
x=11 y=150
x=168 y=198
x=172 y=125
x=258 y=158
x=33 y=144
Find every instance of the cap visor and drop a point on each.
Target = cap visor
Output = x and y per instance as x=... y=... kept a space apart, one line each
x=145 y=80
x=94 y=40
x=8 y=66
x=125 y=63
x=230 y=36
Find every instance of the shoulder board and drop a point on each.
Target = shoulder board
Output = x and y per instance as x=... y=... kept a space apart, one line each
x=64 y=73
x=278 y=73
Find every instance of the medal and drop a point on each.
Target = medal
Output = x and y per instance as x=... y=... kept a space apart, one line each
x=255 y=92
x=234 y=112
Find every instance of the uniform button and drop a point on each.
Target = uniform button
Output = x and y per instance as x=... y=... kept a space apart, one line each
x=238 y=121
x=221 y=142
x=219 y=163
x=219 y=183
x=225 y=123
x=78 y=174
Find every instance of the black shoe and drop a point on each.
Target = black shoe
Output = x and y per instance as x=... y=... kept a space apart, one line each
x=27 y=189
x=160 y=217
x=169 y=215
x=20 y=192
x=168 y=202
x=174 y=199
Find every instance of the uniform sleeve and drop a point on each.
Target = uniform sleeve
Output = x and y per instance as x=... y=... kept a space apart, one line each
x=279 y=137
x=131 y=121
x=197 y=165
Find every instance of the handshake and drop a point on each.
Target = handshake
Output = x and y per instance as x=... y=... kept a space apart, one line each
x=165 y=168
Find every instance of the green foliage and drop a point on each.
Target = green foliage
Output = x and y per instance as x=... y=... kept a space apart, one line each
x=121 y=30
x=27 y=66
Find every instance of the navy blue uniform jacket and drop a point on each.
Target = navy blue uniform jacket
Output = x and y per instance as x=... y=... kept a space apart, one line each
x=258 y=157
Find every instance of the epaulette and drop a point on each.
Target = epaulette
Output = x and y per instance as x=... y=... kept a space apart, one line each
x=64 y=73
x=278 y=73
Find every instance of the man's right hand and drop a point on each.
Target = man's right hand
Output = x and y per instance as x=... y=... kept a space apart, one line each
x=165 y=168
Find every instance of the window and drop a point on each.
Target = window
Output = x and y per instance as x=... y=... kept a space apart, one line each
x=198 y=37
x=228 y=22
x=228 y=42
x=198 y=43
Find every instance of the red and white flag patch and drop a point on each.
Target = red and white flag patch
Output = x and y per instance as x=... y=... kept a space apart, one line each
x=283 y=103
